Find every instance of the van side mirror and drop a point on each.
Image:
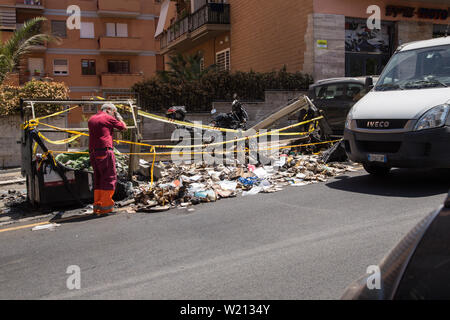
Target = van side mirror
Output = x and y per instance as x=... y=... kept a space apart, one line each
x=369 y=83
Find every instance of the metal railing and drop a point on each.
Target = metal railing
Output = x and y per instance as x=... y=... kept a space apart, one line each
x=30 y=2
x=211 y=13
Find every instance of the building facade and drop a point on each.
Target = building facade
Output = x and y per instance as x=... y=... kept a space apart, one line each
x=112 y=50
x=325 y=38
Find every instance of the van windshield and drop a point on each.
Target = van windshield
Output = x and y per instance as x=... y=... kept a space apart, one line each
x=417 y=69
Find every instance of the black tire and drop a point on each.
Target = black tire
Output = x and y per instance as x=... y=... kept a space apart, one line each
x=376 y=170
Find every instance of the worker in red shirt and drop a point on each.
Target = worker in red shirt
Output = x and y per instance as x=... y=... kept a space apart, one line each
x=101 y=128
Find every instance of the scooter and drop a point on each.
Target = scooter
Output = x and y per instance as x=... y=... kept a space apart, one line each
x=176 y=113
x=236 y=119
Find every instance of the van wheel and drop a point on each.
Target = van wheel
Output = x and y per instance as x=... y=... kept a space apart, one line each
x=376 y=170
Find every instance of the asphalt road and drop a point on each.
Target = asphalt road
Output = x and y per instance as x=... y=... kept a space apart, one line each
x=302 y=243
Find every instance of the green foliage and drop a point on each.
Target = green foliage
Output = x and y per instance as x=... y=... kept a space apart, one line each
x=75 y=161
x=81 y=161
x=157 y=94
x=184 y=68
x=21 y=44
x=10 y=96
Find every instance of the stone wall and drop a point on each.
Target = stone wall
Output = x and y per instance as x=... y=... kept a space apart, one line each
x=11 y=133
x=327 y=62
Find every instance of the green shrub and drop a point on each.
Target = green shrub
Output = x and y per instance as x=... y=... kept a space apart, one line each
x=156 y=94
x=10 y=96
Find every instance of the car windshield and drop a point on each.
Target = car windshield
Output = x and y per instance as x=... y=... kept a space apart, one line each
x=417 y=69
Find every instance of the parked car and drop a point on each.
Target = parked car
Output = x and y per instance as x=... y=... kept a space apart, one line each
x=335 y=97
x=418 y=268
x=404 y=121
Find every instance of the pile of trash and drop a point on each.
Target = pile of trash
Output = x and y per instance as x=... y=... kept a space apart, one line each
x=190 y=184
x=13 y=198
x=185 y=185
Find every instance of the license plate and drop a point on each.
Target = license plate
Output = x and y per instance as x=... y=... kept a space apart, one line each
x=377 y=158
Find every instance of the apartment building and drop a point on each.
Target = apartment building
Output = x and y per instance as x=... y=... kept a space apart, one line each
x=325 y=38
x=113 y=49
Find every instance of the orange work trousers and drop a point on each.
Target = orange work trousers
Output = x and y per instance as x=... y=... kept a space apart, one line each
x=103 y=202
x=105 y=177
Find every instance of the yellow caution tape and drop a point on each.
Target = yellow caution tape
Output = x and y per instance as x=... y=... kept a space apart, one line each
x=272 y=132
x=35 y=145
x=301 y=145
x=183 y=123
x=33 y=123
x=208 y=152
x=57 y=113
x=36 y=122
x=45 y=157
x=153 y=164
x=63 y=141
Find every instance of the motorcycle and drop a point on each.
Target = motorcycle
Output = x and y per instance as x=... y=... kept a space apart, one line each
x=176 y=113
x=236 y=119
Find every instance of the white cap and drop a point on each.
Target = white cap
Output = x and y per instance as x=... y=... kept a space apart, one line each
x=109 y=106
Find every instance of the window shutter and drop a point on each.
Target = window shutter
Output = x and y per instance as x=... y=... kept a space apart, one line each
x=110 y=29
x=8 y=18
x=122 y=30
x=223 y=60
x=87 y=30
x=60 y=67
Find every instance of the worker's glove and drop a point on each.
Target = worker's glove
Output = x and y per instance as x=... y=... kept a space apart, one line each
x=118 y=116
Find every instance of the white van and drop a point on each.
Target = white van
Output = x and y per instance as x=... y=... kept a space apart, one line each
x=404 y=120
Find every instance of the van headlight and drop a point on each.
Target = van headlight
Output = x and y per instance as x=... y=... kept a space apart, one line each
x=433 y=118
x=348 y=122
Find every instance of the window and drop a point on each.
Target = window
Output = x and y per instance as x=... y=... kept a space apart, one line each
x=331 y=92
x=117 y=30
x=87 y=30
x=202 y=64
x=35 y=65
x=416 y=69
x=59 y=28
x=367 y=51
x=355 y=91
x=88 y=67
x=223 y=60
x=33 y=2
x=89 y=108
x=118 y=66
x=60 y=67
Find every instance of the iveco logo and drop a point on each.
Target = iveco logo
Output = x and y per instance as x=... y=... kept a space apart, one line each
x=378 y=124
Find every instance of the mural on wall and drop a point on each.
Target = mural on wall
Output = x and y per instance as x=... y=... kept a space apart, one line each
x=359 y=38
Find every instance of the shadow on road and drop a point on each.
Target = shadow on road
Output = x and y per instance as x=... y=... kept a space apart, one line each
x=408 y=183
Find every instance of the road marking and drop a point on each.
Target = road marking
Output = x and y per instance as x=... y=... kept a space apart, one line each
x=24 y=227
x=58 y=220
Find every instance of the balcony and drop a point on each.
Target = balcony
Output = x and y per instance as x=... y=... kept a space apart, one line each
x=207 y=22
x=117 y=45
x=38 y=48
x=30 y=5
x=119 y=8
x=27 y=76
x=120 y=80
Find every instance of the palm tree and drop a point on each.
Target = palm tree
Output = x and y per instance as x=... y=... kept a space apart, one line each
x=184 y=68
x=21 y=44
